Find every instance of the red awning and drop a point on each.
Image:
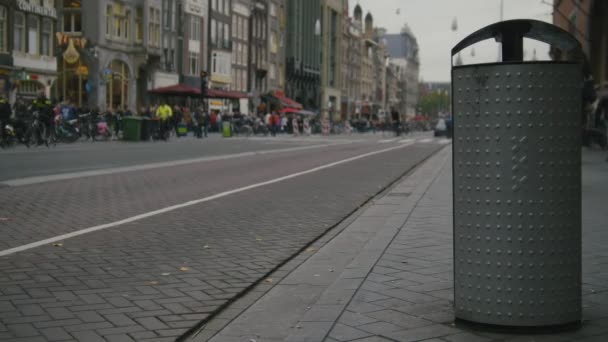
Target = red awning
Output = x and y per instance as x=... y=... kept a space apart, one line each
x=186 y=90
x=225 y=94
x=289 y=110
x=177 y=90
x=286 y=101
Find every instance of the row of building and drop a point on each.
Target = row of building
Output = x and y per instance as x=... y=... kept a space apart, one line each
x=116 y=53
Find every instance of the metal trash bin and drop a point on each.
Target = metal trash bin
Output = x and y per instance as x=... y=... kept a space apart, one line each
x=226 y=129
x=131 y=128
x=517 y=182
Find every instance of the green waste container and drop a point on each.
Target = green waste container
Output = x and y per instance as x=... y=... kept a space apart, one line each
x=226 y=129
x=131 y=128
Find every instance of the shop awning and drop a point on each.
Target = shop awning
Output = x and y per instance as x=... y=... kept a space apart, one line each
x=177 y=90
x=186 y=90
x=225 y=94
x=286 y=101
x=289 y=110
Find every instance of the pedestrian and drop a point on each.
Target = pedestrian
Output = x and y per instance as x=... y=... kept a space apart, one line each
x=206 y=122
x=296 y=127
x=396 y=122
x=5 y=116
x=268 y=121
x=177 y=119
x=164 y=113
x=219 y=121
x=276 y=122
x=197 y=120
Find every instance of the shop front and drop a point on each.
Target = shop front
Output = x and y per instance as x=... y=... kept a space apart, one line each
x=73 y=75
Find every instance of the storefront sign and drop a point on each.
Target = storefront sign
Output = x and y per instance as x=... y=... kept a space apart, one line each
x=27 y=6
x=64 y=40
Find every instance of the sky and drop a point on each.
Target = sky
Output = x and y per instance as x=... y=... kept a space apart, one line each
x=431 y=23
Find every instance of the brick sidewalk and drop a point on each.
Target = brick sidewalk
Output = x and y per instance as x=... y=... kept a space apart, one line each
x=388 y=275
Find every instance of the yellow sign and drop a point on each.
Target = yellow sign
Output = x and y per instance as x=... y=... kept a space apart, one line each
x=64 y=39
x=82 y=70
x=71 y=55
x=218 y=103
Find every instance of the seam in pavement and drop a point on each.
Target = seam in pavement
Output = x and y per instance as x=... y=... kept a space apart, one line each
x=435 y=177
x=197 y=329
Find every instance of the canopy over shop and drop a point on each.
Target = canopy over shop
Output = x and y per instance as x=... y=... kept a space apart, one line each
x=183 y=94
x=277 y=101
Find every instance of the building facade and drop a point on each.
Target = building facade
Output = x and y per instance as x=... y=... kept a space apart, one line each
x=586 y=20
x=241 y=10
x=108 y=61
x=276 y=45
x=403 y=51
x=193 y=41
x=28 y=64
x=368 y=52
x=220 y=44
x=331 y=34
x=258 y=47
x=303 y=53
x=351 y=65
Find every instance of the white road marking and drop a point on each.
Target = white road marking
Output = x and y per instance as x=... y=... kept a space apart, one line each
x=426 y=141
x=190 y=203
x=406 y=141
x=81 y=174
x=386 y=141
x=444 y=141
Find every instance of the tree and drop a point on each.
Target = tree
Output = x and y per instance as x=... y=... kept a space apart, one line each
x=433 y=103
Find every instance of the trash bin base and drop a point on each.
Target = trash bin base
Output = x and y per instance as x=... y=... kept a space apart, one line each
x=524 y=330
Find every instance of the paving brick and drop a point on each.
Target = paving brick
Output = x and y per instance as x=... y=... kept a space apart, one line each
x=341 y=332
x=89 y=336
x=119 y=320
x=55 y=334
x=119 y=338
x=151 y=323
x=22 y=330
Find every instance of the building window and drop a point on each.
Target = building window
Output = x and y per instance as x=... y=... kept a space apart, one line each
x=127 y=26
x=47 y=37
x=33 y=27
x=195 y=28
x=234 y=26
x=273 y=9
x=108 y=21
x=19 y=32
x=166 y=14
x=3 y=29
x=272 y=72
x=194 y=63
x=226 y=36
x=227 y=7
x=154 y=27
x=139 y=25
x=72 y=22
x=213 y=32
x=51 y=3
x=246 y=29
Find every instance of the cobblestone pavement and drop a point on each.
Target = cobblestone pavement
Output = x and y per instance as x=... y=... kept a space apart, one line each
x=398 y=285
x=156 y=278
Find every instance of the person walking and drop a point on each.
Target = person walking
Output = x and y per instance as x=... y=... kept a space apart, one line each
x=218 y=119
x=164 y=113
x=276 y=122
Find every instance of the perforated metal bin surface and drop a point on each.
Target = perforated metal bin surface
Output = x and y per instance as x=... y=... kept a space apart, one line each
x=517 y=193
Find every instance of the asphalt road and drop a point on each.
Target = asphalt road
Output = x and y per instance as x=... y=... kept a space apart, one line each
x=148 y=253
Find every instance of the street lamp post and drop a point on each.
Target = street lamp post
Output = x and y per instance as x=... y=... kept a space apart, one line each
x=318 y=33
